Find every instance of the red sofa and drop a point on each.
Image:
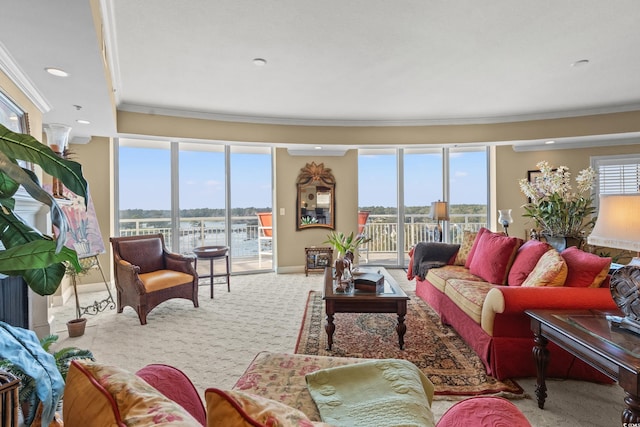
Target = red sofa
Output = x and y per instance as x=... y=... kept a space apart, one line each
x=486 y=288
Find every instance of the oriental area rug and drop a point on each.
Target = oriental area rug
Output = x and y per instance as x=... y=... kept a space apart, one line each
x=436 y=349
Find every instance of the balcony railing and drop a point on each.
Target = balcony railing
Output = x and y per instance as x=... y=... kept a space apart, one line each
x=383 y=230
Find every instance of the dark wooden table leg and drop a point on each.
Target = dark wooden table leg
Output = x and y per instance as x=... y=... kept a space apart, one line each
x=402 y=327
x=631 y=412
x=211 y=274
x=330 y=328
x=541 y=357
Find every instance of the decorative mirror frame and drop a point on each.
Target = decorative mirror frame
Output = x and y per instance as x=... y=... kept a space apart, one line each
x=324 y=184
x=13 y=118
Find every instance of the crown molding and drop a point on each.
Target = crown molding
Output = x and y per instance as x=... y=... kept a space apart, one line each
x=9 y=66
x=145 y=109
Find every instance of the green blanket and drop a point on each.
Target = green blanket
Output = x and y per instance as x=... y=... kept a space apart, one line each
x=375 y=393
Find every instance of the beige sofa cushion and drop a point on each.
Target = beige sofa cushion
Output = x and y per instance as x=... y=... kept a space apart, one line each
x=439 y=276
x=468 y=295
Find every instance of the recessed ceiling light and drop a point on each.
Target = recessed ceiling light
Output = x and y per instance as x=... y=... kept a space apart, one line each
x=83 y=122
x=550 y=142
x=259 y=62
x=318 y=148
x=56 y=72
x=580 y=63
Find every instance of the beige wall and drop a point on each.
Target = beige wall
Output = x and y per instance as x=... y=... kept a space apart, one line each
x=96 y=168
x=291 y=242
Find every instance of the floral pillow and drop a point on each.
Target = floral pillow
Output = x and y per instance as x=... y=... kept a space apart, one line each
x=468 y=238
x=551 y=270
x=99 y=395
x=230 y=408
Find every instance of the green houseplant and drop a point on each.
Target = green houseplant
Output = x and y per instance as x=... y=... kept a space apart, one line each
x=346 y=242
x=38 y=258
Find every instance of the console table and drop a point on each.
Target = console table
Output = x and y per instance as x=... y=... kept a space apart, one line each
x=588 y=335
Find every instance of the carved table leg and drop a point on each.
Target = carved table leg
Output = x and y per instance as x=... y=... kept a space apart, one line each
x=330 y=328
x=401 y=329
x=541 y=357
x=631 y=413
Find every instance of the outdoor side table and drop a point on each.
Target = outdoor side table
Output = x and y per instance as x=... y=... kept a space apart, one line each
x=213 y=253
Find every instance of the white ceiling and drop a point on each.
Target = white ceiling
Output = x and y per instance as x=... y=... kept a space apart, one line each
x=357 y=62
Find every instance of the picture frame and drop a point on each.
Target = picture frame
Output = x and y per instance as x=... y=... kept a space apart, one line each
x=15 y=119
x=322 y=260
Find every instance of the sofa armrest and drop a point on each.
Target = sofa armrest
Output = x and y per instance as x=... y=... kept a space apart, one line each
x=517 y=299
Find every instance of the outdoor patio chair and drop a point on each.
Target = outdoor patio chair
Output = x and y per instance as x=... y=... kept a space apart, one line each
x=147 y=274
x=265 y=235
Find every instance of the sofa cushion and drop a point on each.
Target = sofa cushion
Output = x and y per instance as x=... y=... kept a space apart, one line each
x=494 y=254
x=526 y=259
x=550 y=270
x=472 y=251
x=98 y=395
x=231 y=408
x=585 y=270
x=438 y=276
x=469 y=296
x=390 y=392
x=468 y=238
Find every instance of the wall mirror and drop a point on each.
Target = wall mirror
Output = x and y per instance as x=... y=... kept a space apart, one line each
x=315 y=205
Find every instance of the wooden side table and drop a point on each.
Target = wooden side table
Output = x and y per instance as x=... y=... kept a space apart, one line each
x=588 y=335
x=212 y=253
x=317 y=258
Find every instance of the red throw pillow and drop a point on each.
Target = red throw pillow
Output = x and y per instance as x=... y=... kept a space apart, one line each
x=473 y=248
x=494 y=254
x=526 y=259
x=586 y=270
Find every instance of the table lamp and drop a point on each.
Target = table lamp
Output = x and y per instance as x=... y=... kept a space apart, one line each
x=618 y=227
x=505 y=219
x=439 y=212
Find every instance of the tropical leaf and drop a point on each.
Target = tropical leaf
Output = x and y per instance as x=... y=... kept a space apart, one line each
x=25 y=147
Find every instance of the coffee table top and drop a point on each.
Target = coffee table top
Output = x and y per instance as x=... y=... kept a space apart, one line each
x=391 y=288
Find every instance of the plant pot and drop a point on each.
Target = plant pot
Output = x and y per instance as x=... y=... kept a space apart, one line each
x=76 y=327
x=560 y=243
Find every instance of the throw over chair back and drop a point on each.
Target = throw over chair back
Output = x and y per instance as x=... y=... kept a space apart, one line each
x=147 y=274
x=363 y=217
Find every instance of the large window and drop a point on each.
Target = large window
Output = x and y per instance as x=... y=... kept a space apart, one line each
x=403 y=183
x=196 y=194
x=617 y=174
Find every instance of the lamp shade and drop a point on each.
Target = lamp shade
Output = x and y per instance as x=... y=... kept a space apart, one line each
x=57 y=136
x=439 y=211
x=505 y=217
x=618 y=223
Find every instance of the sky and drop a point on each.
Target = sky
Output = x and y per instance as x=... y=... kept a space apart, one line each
x=145 y=180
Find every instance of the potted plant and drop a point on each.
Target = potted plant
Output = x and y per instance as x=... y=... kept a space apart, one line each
x=558 y=211
x=38 y=258
x=343 y=243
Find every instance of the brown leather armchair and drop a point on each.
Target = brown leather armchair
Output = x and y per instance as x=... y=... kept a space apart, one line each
x=147 y=274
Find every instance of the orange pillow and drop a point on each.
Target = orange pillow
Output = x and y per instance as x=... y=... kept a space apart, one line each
x=526 y=259
x=551 y=270
x=231 y=408
x=586 y=270
x=494 y=254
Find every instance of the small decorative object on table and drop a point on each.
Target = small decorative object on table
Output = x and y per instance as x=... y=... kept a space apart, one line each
x=370 y=282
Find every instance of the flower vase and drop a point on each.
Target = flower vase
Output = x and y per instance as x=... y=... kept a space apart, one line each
x=560 y=243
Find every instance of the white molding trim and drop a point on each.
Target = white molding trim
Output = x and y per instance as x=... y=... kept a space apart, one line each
x=9 y=66
x=145 y=109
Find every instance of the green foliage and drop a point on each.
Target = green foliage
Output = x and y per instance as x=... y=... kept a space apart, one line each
x=343 y=243
x=28 y=384
x=37 y=258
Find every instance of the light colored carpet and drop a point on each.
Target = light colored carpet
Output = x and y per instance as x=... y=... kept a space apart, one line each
x=213 y=344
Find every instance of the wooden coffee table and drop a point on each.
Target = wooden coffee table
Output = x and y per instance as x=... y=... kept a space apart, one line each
x=588 y=335
x=393 y=300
